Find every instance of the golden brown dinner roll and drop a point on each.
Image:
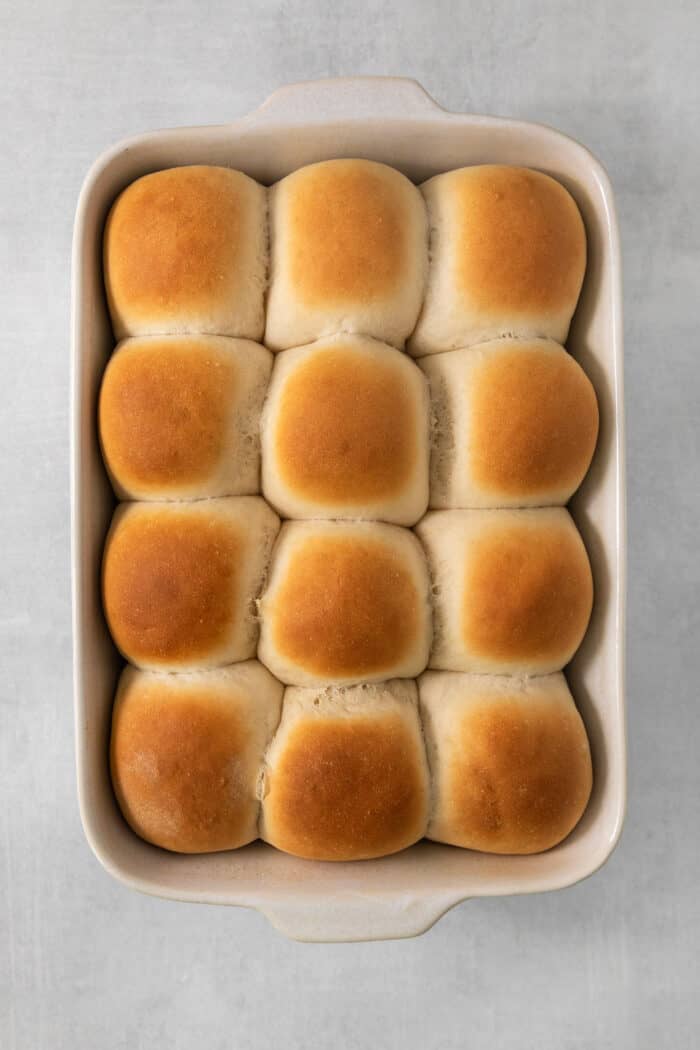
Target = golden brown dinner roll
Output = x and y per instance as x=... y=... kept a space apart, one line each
x=345 y=602
x=179 y=580
x=348 y=253
x=512 y=589
x=507 y=257
x=345 y=433
x=185 y=250
x=346 y=776
x=179 y=416
x=187 y=754
x=516 y=424
x=509 y=760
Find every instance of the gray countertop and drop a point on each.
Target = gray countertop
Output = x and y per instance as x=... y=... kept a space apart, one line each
x=85 y=963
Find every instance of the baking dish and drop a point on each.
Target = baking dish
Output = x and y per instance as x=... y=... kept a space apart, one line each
x=395 y=121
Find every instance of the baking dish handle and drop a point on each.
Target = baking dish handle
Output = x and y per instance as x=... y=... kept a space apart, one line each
x=346 y=98
x=357 y=917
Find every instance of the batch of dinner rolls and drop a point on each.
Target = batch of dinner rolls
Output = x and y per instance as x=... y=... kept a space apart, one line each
x=343 y=429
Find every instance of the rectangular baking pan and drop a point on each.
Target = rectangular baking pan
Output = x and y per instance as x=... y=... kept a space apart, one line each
x=394 y=121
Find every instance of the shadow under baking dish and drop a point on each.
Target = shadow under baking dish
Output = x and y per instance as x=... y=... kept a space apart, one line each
x=393 y=121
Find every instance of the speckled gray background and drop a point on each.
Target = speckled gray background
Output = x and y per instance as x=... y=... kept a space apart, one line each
x=88 y=965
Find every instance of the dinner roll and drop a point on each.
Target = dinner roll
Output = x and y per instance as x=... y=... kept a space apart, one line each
x=345 y=433
x=179 y=580
x=185 y=250
x=512 y=589
x=507 y=257
x=179 y=416
x=346 y=776
x=509 y=759
x=516 y=424
x=187 y=754
x=348 y=253
x=345 y=602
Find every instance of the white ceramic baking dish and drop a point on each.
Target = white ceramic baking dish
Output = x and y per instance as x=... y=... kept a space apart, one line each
x=394 y=121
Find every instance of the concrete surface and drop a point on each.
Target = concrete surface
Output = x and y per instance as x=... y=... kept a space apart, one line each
x=85 y=963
